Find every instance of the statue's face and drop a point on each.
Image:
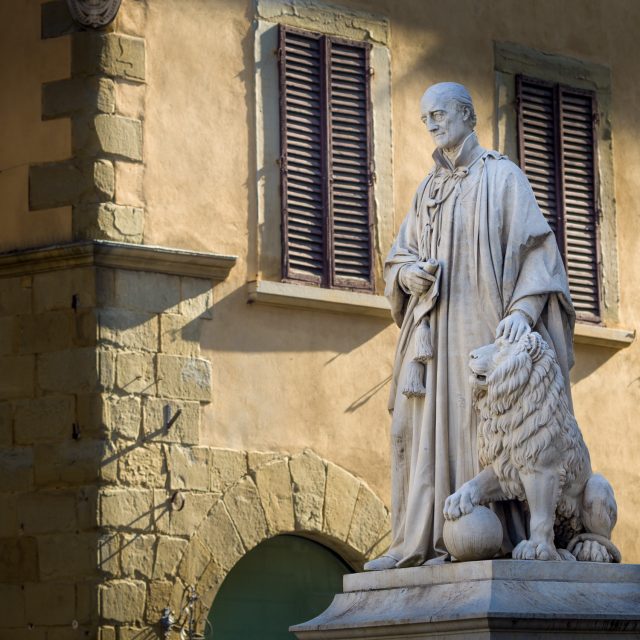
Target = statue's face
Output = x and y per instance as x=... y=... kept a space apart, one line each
x=447 y=123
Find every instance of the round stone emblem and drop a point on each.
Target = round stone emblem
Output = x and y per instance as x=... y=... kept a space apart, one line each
x=93 y=13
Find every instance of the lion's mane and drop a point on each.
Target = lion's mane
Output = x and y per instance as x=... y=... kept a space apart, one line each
x=525 y=419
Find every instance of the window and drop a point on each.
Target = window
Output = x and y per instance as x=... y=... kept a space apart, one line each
x=325 y=160
x=556 y=143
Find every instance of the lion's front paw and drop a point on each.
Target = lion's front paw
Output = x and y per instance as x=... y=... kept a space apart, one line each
x=591 y=551
x=461 y=502
x=530 y=550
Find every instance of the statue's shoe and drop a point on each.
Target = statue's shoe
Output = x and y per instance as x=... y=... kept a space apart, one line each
x=380 y=564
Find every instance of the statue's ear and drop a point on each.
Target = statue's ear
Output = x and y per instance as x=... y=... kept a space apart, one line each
x=534 y=344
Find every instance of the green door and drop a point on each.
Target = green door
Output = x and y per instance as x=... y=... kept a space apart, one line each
x=283 y=581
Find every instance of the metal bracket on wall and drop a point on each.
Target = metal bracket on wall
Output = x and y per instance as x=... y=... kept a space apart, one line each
x=169 y=420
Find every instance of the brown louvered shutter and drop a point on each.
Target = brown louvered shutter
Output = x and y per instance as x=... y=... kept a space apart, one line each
x=302 y=127
x=325 y=160
x=350 y=164
x=577 y=150
x=557 y=152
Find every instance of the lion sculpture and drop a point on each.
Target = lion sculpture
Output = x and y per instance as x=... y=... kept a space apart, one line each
x=531 y=449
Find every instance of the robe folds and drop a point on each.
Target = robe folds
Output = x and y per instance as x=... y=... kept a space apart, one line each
x=478 y=217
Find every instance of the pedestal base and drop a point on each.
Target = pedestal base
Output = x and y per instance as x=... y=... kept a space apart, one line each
x=491 y=599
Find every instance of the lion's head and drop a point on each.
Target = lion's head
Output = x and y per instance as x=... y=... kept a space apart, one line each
x=501 y=370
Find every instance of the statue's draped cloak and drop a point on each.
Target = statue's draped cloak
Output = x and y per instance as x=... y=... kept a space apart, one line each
x=478 y=217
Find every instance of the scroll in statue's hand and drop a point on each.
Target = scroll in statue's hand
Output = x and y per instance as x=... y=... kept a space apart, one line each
x=513 y=327
x=416 y=279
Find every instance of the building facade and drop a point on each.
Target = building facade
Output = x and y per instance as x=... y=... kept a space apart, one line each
x=197 y=200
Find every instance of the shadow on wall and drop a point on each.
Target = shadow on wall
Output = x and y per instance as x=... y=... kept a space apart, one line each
x=588 y=360
x=255 y=328
x=248 y=78
x=365 y=397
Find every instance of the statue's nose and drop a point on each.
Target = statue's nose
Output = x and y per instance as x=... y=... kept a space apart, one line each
x=473 y=355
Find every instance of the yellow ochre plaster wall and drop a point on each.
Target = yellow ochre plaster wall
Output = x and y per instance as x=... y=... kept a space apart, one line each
x=27 y=62
x=285 y=379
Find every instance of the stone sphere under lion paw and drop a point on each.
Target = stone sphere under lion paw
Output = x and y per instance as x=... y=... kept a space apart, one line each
x=474 y=536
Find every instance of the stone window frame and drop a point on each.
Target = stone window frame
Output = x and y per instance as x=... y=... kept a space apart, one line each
x=264 y=269
x=511 y=60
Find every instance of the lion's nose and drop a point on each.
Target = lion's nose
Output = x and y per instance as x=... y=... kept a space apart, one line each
x=473 y=355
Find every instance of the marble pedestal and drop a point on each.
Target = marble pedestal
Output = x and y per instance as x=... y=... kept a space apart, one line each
x=491 y=599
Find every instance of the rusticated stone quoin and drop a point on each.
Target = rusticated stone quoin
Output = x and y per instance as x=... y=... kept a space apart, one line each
x=91 y=454
x=101 y=132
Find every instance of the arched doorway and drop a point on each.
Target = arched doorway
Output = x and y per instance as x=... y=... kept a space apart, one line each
x=283 y=581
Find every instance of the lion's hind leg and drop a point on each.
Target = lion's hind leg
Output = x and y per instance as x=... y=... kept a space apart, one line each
x=590 y=547
x=599 y=515
x=599 y=508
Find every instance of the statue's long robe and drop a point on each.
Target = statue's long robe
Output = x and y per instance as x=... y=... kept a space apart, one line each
x=497 y=254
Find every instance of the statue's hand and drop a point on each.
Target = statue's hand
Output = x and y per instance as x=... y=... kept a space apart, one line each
x=513 y=327
x=416 y=280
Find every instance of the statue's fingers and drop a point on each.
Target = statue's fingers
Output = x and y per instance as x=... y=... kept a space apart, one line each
x=522 y=329
x=418 y=282
x=422 y=274
x=500 y=329
x=513 y=329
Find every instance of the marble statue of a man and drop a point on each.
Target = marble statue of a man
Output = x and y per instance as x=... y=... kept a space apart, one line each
x=474 y=260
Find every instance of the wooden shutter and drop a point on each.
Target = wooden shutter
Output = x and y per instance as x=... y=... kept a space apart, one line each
x=350 y=164
x=557 y=152
x=302 y=126
x=325 y=160
x=577 y=150
x=538 y=147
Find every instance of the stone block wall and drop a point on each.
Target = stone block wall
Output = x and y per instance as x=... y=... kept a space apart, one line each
x=49 y=464
x=111 y=506
x=89 y=358
x=231 y=501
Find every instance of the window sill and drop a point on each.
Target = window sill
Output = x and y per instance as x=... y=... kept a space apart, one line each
x=283 y=294
x=603 y=336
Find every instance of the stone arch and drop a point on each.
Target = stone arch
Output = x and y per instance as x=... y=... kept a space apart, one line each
x=301 y=494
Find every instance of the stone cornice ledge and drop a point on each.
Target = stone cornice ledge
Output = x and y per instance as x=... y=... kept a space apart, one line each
x=117 y=255
x=284 y=294
x=614 y=338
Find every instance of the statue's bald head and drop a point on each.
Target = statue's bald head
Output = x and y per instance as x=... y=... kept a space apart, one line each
x=447 y=92
x=448 y=113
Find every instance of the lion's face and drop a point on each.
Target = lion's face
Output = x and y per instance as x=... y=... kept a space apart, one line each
x=502 y=369
x=484 y=361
